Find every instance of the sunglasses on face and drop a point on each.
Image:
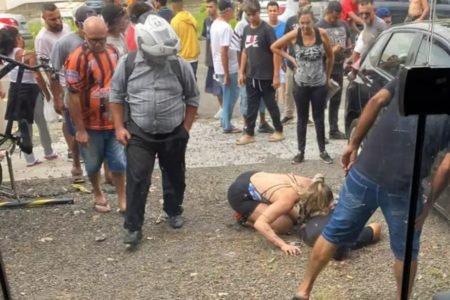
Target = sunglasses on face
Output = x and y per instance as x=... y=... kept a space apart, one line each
x=97 y=40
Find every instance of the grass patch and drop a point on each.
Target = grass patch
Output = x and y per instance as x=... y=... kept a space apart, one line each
x=200 y=17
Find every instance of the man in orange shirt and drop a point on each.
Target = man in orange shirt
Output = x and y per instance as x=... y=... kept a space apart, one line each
x=89 y=69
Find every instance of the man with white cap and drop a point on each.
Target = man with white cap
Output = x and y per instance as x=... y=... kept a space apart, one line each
x=161 y=94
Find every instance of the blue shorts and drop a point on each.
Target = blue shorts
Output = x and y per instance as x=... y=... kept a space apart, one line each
x=102 y=146
x=212 y=86
x=358 y=199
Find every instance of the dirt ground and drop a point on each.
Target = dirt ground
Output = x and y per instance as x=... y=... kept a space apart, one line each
x=72 y=252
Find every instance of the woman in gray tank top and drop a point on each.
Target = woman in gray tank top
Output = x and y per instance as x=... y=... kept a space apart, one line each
x=314 y=61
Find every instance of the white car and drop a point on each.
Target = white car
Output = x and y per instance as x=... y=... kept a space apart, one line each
x=291 y=8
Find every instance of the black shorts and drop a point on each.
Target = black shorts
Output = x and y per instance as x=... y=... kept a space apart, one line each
x=21 y=103
x=313 y=228
x=239 y=197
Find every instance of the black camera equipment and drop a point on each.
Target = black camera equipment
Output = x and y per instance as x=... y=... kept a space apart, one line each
x=422 y=91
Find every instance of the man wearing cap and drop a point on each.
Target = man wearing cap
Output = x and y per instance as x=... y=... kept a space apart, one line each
x=225 y=62
x=60 y=52
x=385 y=14
x=185 y=26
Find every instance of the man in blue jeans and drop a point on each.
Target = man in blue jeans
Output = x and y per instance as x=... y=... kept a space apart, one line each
x=379 y=177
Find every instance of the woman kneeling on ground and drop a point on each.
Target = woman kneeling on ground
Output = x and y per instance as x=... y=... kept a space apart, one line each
x=273 y=203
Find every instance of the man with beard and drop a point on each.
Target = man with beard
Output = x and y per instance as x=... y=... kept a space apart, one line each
x=60 y=52
x=53 y=30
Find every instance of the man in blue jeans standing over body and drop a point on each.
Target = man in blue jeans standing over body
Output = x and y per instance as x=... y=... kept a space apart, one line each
x=379 y=177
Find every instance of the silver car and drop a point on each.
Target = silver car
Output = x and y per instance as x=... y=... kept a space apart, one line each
x=23 y=27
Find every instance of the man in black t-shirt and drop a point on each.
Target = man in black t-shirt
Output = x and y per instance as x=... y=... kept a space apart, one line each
x=380 y=177
x=258 y=74
x=339 y=33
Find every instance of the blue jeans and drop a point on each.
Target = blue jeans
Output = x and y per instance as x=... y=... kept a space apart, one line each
x=244 y=103
x=358 y=199
x=102 y=146
x=229 y=98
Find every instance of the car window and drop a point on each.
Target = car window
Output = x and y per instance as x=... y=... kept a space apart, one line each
x=440 y=55
x=396 y=52
x=374 y=52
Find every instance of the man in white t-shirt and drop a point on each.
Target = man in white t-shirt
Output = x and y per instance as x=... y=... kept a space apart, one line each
x=373 y=26
x=53 y=29
x=225 y=62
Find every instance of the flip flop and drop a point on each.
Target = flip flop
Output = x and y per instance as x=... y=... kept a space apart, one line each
x=299 y=298
x=77 y=177
x=102 y=207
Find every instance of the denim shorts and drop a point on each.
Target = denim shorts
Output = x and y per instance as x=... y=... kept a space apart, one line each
x=358 y=199
x=102 y=146
x=212 y=86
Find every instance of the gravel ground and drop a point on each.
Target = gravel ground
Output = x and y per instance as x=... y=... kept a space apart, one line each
x=54 y=252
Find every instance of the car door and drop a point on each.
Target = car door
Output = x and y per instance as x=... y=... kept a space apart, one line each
x=439 y=56
x=380 y=65
x=358 y=89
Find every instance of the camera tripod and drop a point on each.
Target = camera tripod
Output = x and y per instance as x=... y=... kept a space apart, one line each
x=9 y=141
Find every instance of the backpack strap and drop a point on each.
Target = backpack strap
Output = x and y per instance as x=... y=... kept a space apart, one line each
x=129 y=67
x=175 y=67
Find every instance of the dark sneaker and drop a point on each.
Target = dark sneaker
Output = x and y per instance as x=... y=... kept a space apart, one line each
x=337 y=135
x=326 y=158
x=299 y=158
x=286 y=120
x=133 y=237
x=176 y=221
x=265 y=128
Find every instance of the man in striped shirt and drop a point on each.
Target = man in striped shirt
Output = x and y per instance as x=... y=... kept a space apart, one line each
x=89 y=69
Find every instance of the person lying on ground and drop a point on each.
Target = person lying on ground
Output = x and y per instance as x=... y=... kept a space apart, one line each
x=273 y=203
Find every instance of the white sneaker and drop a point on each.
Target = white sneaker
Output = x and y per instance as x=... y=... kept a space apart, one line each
x=218 y=114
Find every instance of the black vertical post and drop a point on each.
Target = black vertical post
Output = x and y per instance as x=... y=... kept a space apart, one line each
x=414 y=196
x=3 y=281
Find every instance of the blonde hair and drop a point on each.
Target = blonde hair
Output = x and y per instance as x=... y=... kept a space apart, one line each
x=315 y=200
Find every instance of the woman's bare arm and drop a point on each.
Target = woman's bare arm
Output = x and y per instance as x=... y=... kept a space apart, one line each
x=279 y=46
x=282 y=206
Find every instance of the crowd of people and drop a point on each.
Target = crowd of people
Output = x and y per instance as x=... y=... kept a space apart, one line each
x=126 y=86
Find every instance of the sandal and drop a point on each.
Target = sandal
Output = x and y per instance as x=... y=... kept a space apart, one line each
x=102 y=207
x=120 y=211
x=77 y=176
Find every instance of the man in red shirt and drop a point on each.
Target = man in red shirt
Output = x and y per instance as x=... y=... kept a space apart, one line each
x=350 y=14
